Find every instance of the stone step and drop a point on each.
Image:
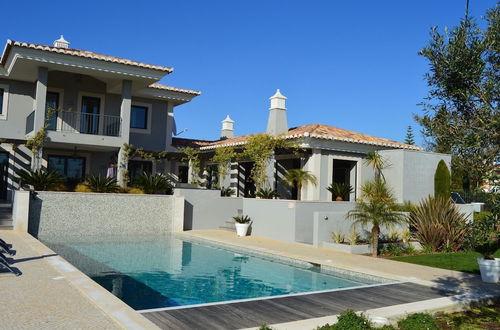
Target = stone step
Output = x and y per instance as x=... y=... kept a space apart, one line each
x=5 y=222
x=5 y=215
x=6 y=227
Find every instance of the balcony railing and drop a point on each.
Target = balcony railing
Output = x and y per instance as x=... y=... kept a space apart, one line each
x=85 y=123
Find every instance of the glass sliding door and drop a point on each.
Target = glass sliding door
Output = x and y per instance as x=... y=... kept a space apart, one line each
x=89 y=120
x=51 y=107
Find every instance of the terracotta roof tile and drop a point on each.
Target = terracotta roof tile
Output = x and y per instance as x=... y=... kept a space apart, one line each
x=318 y=131
x=83 y=53
x=174 y=89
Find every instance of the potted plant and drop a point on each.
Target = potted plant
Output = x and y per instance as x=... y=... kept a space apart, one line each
x=486 y=240
x=242 y=222
x=340 y=191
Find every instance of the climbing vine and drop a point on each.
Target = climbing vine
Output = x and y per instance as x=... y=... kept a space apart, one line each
x=259 y=149
x=193 y=157
x=223 y=157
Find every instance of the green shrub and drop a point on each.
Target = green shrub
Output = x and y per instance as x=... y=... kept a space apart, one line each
x=41 y=179
x=485 y=233
x=226 y=192
x=99 y=184
x=154 y=183
x=442 y=181
x=392 y=249
x=418 y=321
x=349 y=320
x=267 y=193
x=265 y=327
x=409 y=249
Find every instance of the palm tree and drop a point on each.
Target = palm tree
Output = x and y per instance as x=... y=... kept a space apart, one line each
x=377 y=207
x=299 y=177
x=375 y=160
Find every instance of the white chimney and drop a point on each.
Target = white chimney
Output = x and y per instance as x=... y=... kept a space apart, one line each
x=61 y=43
x=277 y=122
x=227 y=128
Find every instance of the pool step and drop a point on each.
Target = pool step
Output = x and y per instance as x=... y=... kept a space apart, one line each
x=6 y=216
x=228 y=226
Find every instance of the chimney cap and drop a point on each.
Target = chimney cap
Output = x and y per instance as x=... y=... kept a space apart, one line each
x=228 y=120
x=61 y=42
x=278 y=95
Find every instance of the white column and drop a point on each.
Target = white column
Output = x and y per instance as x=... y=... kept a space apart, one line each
x=271 y=172
x=313 y=165
x=126 y=103
x=39 y=118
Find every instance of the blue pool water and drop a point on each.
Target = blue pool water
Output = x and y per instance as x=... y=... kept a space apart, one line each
x=155 y=272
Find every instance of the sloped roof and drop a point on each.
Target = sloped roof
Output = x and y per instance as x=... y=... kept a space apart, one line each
x=174 y=89
x=80 y=53
x=315 y=131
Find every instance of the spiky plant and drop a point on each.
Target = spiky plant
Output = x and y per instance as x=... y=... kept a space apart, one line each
x=439 y=224
x=267 y=193
x=99 y=184
x=340 y=190
x=40 y=179
x=376 y=207
x=226 y=192
x=242 y=219
x=154 y=183
x=300 y=177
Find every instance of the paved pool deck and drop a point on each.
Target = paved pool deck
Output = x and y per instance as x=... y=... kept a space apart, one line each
x=52 y=294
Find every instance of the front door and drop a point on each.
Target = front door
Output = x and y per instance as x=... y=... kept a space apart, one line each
x=52 y=105
x=89 y=120
x=4 y=165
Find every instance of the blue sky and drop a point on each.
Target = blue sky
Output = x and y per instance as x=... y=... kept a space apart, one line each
x=350 y=64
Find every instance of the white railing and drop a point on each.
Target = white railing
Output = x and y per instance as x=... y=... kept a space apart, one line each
x=85 y=123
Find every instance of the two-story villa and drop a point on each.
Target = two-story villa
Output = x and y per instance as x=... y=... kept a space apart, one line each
x=102 y=103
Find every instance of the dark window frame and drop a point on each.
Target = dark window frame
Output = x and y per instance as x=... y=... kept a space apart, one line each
x=65 y=157
x=146 y=114
x=2 y=97
x=53 y=120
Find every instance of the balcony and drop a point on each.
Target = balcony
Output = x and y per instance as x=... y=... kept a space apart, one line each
x=85 y=123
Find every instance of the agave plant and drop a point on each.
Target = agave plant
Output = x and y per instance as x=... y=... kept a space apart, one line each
x=337 y=237
x=340 y=190
x=41 y=179
x=226 y=192
x=99 y=184
x=154 y=183
x=439 y=224
x=267 y=193
x=242 y=219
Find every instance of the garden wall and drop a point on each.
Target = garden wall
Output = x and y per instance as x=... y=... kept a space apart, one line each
x=56 y=214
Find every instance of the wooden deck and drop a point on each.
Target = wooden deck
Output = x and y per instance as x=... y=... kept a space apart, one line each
x=286 y=309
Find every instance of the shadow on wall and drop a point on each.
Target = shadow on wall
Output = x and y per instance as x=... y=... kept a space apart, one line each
x=34 y=215
x=188 y=215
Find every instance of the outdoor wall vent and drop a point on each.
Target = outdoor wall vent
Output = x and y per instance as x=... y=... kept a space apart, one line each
x=61 y=43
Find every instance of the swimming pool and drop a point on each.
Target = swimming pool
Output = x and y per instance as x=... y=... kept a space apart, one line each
x=167 y=271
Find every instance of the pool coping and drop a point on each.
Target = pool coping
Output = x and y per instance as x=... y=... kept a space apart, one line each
x=122 y=314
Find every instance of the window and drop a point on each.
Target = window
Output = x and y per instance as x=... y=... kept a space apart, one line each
x=139 y=117
x=72 y=168
x=2 y=91
x=138 y=167
x=183 y=174
x=4 y=95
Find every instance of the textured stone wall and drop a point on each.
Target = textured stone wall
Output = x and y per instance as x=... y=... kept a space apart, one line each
x=56 y=214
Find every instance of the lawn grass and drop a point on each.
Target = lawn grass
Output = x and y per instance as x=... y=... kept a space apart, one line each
x=459 y=261
x=478 y=318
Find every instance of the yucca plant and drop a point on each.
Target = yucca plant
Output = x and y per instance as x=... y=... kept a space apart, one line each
x=226 y=192
x=376 y=207
x=406 y=235
x=267 y=193
x=99 y=184
x=299 y=177
x=154 y=183
x=340 y=191
x=439 y=224
x=41 y=179
x=353 y=237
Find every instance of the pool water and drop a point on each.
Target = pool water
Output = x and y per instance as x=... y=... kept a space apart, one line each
x=165 y=271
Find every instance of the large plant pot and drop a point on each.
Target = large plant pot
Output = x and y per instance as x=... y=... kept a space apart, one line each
x=490 y=270
x=241 y=228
